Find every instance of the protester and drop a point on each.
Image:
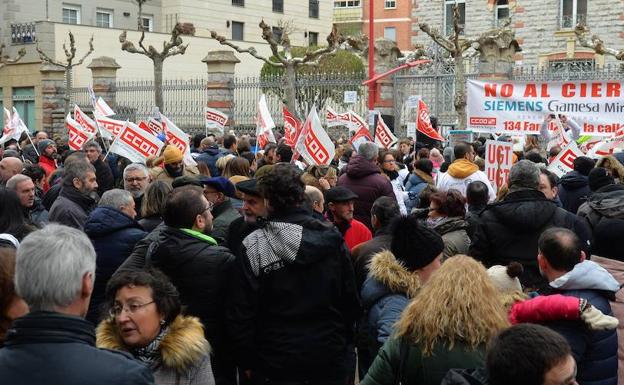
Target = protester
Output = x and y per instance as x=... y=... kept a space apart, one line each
x=316 y=201
x=75 y=201
x=397 y=274
x=11 y=305
x=56 y=180
x=153 y=205
x=562 y=262
x=229 y=145
x=103 y=173
x=33 y=209
x=447 y=211
x=362 y=177
x=283 y=153
x=268 y=158
x=114 y=232
x=237 y=166
x=218 y=191
x=446 y=325
x=548 y=186
x=476 y=199
x=209 y=154
x=30 y=151
x=508 y=231
x=173 y=166
x=612 y=164
x=397 y=178
x=254 y=207
x=574 y=186
x=340 y=202
x=405 y=150
x=222 y=163
x=436 y=159
x=8 y=168
x=420 y=178
x=136 y=178
x=12 y=219
x=53 y=344
x=321 y=177
x=36 y=173
x=146 y=321
x=569 y=125
x=293 y=282
x=47 y=158
x=598 y=178
x=463 y=171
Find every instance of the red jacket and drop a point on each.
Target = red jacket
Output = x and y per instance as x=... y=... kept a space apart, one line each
x=49 y=166
x=356 y=233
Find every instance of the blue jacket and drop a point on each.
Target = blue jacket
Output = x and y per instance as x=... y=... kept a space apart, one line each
x=210 y=157
x=573 y=190
x=594 y=351
x=415 y=184
x=385 y=293
x=113 y=235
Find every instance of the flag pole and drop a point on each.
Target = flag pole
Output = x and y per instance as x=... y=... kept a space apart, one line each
x=31 y=142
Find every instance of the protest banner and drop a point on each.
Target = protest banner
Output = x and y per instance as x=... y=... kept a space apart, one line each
x=215 y=119
x=155 y=125
x=313 y=144
x=356 y=123
x=498 y=162
x=423 y=124
x=13 y=128
x=264 y=124
x=361 y=136
x=292 y=127
x=136 y=144
x=520 y=107
x=78 y=135
x=103 y=108
x=84 y=121
x=564 y=162
x=175 y=136
x=383 y=136
x=112 y=126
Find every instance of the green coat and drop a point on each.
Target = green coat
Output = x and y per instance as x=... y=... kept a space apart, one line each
x=419 y=370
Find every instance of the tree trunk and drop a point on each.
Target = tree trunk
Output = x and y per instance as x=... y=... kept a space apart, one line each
x=68 y=88
x=139 y=16
x=158 y=78
x=291 y=90
x=460 y=91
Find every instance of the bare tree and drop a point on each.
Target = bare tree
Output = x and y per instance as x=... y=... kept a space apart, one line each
x=285 y=58
x=170 y=48
x=596 y=43
x=5 y=59
x=70 y=55
x=140 y=26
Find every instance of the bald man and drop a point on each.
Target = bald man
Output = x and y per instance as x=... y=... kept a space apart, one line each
x=9 y=167
x=316 y=201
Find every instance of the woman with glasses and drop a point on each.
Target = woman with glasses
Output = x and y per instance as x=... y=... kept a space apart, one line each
x=145 y=320
x=397 y=175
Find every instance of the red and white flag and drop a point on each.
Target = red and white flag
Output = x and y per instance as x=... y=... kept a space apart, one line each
x=102 y=108
x=215 y=119
x=136 y=144
x=383 y=136
x=108 y=125
x=177 y=137
x=84 y=121
x=361 y=136
x=264 y=124
x=313 y=144
x=78 y=135
x=423 y=125
x=564 y=162
x=292 y=128
x=335 y=119
x=14 y=128
x=356 y=122
x=155 y=125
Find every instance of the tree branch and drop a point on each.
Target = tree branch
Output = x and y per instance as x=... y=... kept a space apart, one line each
x=86 y=54
x=596 y=43
x=128 y=46
x=251 y=50
x=267 y=35
x=435 y=35
x=4 y=60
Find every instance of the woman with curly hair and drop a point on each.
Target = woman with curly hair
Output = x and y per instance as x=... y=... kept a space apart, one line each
x=447 y=325
x=447 y=210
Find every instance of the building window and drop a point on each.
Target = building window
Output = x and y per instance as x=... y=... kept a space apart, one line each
x=390 y=4
x=390 y=33
x=502 y=12
x=104 y=18
x=238 y=3
x=277 y=34
x=313 y=39
x=313 y=9
x=238 y=30
x=573 y=12
x=24 y=103
x=448 y=15
x=148 y=23
x=278 y=6
x=71 y=14
x=347 y=4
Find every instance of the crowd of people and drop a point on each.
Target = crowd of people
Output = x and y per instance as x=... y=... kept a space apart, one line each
x=247 y=266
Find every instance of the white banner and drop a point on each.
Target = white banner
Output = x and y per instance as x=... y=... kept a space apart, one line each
x=520 y=107
x=383 y=136
x=498 y=162
x=178 y=138
x=111 y=126
x=215 y=119
x=564 y=162
x=314 y=145
x=102 y=108
x=78 y=135
x=136 y=144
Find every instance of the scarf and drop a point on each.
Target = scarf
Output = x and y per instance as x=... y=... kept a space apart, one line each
x=392 y=174
x=150 y=354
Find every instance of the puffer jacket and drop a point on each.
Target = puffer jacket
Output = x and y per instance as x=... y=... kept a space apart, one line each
x=573 y=190
x=454 y=232
x=292 y=302
x=416 y=182
x=594 y=351
x=210 y=156
x=184 y=352
x=385 y=293
x=508 y=231
x=364 y=179
x=604 y=213
x=460 y=174
x=114 y=235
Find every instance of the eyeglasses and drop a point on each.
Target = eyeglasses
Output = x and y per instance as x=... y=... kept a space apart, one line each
x=209 y=207
x=132 y=308
x=132 y=180
x=389 y=161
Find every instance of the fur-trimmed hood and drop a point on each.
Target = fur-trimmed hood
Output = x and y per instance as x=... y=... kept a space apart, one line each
x=182 y=347
x=388 y=276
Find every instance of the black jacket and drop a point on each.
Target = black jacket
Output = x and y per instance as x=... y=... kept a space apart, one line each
x=113 y=235
x=293 y=301
x=573 y=191
x=71 y=208
x=238 y=230
x=210 y=156
x=508 y=231
x=50 y=348
x=104 y=176
x=362 y=254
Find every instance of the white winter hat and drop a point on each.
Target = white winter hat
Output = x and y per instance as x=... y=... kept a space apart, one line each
x=505 y=278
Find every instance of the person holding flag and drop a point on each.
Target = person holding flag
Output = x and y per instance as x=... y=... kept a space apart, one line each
x=172 y=166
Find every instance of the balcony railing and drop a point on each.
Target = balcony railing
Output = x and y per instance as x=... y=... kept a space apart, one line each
x=23 y=33
x=345 y=15
x=567 y=21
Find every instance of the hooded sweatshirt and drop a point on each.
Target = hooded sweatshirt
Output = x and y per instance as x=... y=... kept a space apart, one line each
x=460 y=174
x=573 y=190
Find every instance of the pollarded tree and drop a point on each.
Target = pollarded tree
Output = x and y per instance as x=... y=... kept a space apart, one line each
x=596 y=43
x=5 y=59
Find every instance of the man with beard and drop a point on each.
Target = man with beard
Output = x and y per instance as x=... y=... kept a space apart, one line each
x=254 y=207
x=103 y=173
x=136 y=178
x=218 y=191
x=340 y=203
x=197 y=267
x=173 y=166
x=75 y=200
x=47 y=159
x=29 y=150
x=24 y=187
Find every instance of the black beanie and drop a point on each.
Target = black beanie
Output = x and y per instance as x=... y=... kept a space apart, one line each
x=583 y=165
x=413 y=244
x=599 y=177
